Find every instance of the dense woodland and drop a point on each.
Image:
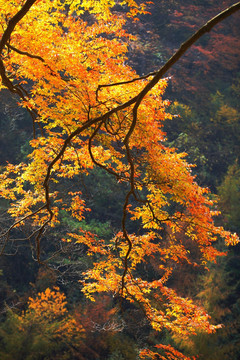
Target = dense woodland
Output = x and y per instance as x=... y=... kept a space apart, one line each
x=43 y=310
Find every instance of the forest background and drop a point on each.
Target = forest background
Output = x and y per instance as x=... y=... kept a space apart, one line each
x=204 y=90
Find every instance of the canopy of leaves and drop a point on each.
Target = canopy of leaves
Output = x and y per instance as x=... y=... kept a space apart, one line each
x=89 y=111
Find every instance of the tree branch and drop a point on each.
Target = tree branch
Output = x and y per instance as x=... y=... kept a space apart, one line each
x=178 y=54
x=25 y=53
x=136 y=101
x=14 y=21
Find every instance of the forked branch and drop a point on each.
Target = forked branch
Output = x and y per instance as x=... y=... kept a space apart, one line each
x=133 y=104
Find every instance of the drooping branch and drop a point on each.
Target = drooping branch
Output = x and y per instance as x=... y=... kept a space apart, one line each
x=159 y=75
x=135 y=101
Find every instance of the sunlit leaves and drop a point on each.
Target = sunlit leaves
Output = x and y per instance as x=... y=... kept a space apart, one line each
x=86 y=119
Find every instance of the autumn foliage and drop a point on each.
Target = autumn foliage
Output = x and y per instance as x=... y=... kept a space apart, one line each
x=72 y=77
x=45 y=328
x=168 y=352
